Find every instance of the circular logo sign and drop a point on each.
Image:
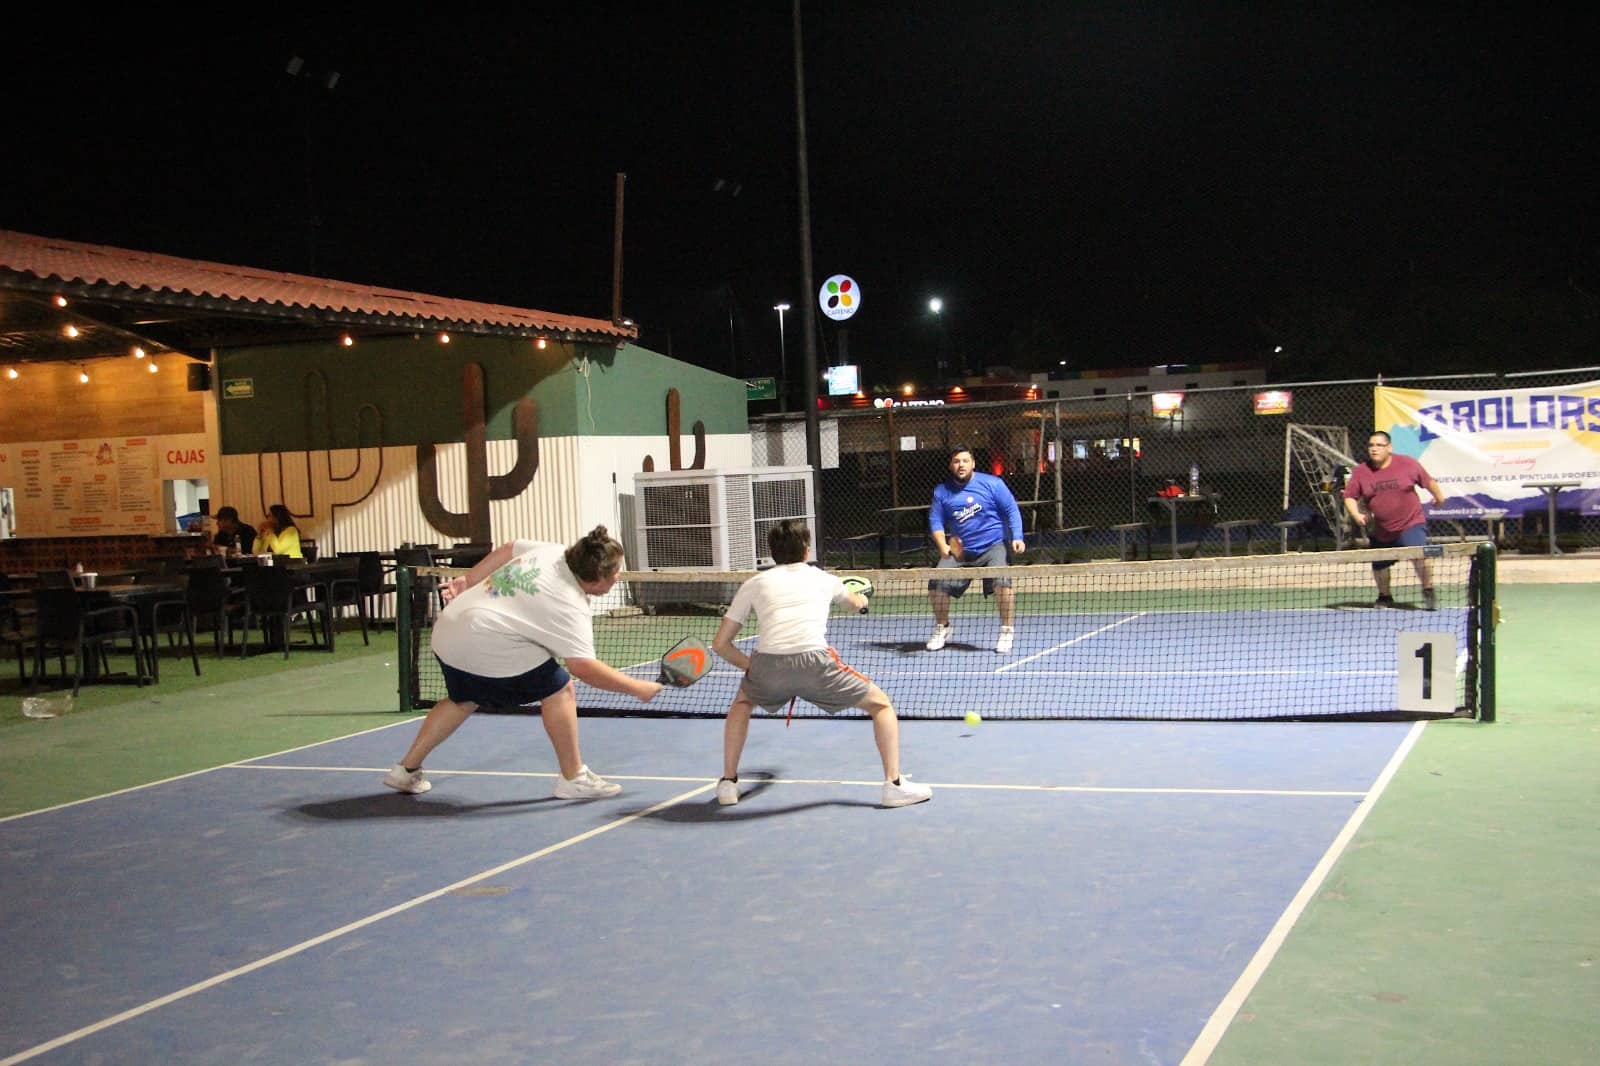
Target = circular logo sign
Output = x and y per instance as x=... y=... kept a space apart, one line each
x=839 y=297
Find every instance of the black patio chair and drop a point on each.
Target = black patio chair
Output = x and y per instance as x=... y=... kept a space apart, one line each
x=344 y=590
x=212 y=599
x=63 y=622
x=273 y=596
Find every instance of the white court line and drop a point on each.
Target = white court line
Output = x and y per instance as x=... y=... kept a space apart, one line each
x=334 y=934
x=831 y=781
x=1070 y=643
x=207 y=770
x=1211 y=1035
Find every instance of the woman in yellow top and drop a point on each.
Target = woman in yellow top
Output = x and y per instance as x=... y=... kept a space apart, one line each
x=277 y=534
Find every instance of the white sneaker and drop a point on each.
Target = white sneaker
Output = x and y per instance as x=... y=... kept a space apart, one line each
x=1003 y=645
x=402 y=780
x=941 y=633
x=585 y=784
x=727 y=792
x=905 y=793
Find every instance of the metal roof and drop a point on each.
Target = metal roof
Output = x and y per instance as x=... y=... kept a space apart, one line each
x=117 y=297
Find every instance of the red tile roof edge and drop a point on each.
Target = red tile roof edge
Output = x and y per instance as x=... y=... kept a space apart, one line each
x=71 y=262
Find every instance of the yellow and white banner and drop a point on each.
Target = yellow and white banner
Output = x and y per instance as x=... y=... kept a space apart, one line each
x=1491 y=449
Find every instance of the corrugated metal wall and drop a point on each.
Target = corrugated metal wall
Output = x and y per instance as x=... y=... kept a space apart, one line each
x=325 y=486
x=580 y=483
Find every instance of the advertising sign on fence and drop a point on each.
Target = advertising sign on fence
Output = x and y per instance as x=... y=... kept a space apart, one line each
x=1491 y=449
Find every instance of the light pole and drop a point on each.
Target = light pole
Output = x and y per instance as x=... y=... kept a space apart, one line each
x=936 y=305
x=783 y=359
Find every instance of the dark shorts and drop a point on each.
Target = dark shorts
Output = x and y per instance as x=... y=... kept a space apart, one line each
x=994 y=555
x=546 y=679
x=1414 y=537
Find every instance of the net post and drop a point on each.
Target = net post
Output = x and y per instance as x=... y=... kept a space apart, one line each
x=1488 y=615
x=403 y=637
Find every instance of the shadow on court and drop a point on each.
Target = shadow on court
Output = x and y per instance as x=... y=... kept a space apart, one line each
x=910 y=647
x=399 y=805
x=711 y=811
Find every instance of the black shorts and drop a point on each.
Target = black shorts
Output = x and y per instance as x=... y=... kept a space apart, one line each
x=519 y=690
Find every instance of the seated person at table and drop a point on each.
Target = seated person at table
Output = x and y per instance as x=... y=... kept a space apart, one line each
x=277 y=534
x=232 y=533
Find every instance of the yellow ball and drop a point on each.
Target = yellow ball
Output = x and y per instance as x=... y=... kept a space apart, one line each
x=973 y=718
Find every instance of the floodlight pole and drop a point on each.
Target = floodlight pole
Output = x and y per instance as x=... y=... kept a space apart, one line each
x=807 y=288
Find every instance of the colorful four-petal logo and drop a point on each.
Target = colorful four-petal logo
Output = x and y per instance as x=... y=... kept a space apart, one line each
x=840 y=297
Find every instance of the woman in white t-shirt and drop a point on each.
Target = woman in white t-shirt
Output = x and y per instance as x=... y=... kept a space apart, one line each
x=504 y=623
x=793 y=660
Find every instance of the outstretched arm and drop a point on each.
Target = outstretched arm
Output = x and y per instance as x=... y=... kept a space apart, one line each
x=600 y=675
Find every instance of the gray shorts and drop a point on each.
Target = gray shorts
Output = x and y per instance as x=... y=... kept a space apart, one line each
x=817 y=677
x=994 y=555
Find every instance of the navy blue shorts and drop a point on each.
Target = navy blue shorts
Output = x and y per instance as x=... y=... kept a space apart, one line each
x=1414 y=537
x=546 y=679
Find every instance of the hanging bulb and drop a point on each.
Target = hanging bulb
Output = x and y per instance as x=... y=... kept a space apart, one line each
x=83 y=377
x=152 y=366
x=138 y=352
x=11 y=372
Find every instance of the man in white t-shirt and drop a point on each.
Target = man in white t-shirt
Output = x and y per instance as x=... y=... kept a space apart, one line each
x=793 y=660
x=497 y=641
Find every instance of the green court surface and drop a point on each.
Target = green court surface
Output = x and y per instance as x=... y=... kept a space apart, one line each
x=1458 y=927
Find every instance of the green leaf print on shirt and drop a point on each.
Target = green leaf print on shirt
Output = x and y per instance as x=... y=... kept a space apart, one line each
x=512 y=578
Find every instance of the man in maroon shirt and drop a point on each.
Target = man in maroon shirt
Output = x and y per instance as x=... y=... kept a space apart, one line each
x=1381 y=497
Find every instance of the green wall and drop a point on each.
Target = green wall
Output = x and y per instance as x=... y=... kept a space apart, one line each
x=407 y=390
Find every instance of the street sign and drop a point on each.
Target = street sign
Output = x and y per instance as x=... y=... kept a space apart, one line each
x=238 y=388
x=760 y=388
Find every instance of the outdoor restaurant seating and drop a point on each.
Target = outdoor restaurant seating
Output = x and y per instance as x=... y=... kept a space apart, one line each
x=12 y=636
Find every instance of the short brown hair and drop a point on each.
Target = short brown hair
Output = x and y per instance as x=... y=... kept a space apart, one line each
x=596 y=556
x=789 y=540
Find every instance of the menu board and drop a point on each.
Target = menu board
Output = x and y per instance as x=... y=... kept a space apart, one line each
x=97 y=486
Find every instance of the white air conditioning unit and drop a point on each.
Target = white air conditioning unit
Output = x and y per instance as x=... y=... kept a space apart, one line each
x=715 y=519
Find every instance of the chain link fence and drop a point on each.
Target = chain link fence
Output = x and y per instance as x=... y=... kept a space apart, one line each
x=1089 y=473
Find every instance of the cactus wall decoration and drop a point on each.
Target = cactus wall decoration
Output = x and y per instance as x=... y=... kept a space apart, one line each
x=481 y=488
x=674 y=449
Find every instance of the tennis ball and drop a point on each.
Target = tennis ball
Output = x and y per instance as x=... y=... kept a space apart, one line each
x=973 y=718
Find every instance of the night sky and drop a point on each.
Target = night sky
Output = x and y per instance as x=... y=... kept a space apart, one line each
x=1110 y=184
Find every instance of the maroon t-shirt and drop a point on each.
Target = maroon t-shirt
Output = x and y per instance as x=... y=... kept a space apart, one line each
x=1390 y=494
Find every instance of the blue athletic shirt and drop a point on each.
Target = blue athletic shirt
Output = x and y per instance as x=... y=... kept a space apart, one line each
x=974 y=511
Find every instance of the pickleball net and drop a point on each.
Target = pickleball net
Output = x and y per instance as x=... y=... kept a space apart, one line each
x=1293 y=636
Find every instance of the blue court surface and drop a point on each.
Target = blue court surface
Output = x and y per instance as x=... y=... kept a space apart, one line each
x=1074 y=892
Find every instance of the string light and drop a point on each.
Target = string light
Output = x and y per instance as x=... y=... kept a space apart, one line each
x=138 y=352
x=61 y=301
x=540 y=343
x=71 y=331
x=152 y=366
x=83 y=377
x=444 y=338
x=347 y=340
x=11 y=372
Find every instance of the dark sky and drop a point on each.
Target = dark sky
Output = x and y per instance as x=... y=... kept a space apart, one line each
x=1114 y=184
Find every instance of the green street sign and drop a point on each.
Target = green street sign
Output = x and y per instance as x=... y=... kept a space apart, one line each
x=239 y=388
x=760 y=388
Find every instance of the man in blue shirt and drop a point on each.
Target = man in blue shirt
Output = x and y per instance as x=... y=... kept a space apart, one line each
x=971 y=515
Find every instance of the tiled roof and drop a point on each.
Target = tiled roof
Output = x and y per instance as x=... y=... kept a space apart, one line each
x=168 y=279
